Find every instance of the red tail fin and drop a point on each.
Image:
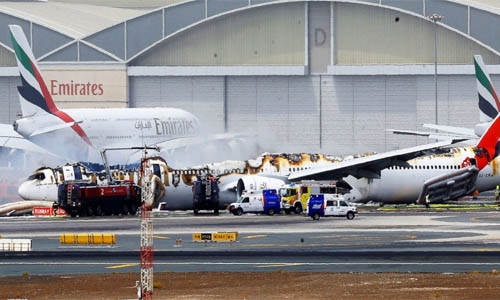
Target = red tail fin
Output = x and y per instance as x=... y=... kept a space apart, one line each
x=487 y=147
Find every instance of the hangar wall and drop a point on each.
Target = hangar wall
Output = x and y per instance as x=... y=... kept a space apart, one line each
x=9 y=99
x=270 y=35
x=374 y=35
x=338 y=114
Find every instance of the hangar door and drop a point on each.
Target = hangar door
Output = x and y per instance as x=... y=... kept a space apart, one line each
x=202 y=96
x=9 y=99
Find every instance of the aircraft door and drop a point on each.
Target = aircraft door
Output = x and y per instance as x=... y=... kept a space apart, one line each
x=77 y=172
x=157 y=170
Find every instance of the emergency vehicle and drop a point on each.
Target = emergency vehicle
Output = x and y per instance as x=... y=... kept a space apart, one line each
x=261 y=201
x=294 y=196
x=330 y=205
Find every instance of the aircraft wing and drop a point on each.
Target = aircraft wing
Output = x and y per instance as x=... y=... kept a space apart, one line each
x=368 y=166
x=443 y=132
x=459 y=131
x=11 y=139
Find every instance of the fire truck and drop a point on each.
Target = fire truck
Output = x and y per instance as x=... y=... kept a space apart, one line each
x=89 y=199
x=294 y=196
x=206 y=194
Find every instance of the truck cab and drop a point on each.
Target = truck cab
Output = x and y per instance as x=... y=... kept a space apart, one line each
x=330 y=205
x=263 y=201
x=294 y=196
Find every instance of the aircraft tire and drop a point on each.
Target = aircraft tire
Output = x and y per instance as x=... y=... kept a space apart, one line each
x=124 y=209
x=90 y=211
x=98 y=210
x=132 y=209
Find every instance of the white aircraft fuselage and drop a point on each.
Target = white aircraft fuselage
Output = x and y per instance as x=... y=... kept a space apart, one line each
x=402 y=185
x=396 y=184
x=96 y=129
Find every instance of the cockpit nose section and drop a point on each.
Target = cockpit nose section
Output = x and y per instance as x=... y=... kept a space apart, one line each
x=25 y=190
x=38 y=187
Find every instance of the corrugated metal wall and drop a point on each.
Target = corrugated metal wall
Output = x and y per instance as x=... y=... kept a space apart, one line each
x=285 y=110
x=374 y=35
x=9 y=99
x=203 y=96
x=7 y=58
x=271 y=35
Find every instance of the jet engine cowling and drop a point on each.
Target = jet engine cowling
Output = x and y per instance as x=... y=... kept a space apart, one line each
x=256 y=182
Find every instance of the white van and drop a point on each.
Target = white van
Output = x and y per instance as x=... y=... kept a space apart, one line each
x=329 y=205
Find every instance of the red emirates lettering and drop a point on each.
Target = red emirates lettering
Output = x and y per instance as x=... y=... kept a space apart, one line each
x=76 y=88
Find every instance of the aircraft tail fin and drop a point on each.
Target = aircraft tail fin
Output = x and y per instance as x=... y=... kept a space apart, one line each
x=489 y=104
x=34 y=95
x=488 y=146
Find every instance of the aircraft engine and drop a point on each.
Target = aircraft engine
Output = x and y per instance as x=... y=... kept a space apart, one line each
x=256 y=182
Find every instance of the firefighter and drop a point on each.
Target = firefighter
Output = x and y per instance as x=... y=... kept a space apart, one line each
x=55 y=206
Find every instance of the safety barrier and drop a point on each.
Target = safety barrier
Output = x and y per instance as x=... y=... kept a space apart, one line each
x=215 y=237
x=88 y=239
x=15 y=245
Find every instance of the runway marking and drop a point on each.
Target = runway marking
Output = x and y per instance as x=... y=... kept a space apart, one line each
x=122 y=266
x=254 y=236
x=487 y=250
x=160 y=237
x=282 y=265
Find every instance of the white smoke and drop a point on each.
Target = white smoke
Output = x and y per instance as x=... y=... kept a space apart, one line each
x=16 y=166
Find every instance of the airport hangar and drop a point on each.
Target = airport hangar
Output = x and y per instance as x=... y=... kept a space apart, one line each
x=326 y=76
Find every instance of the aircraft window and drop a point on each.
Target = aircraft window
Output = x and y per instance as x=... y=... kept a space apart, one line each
x=37 y=176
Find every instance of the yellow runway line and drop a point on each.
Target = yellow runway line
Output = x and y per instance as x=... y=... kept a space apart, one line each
x=255 y=236
x=122 y=266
